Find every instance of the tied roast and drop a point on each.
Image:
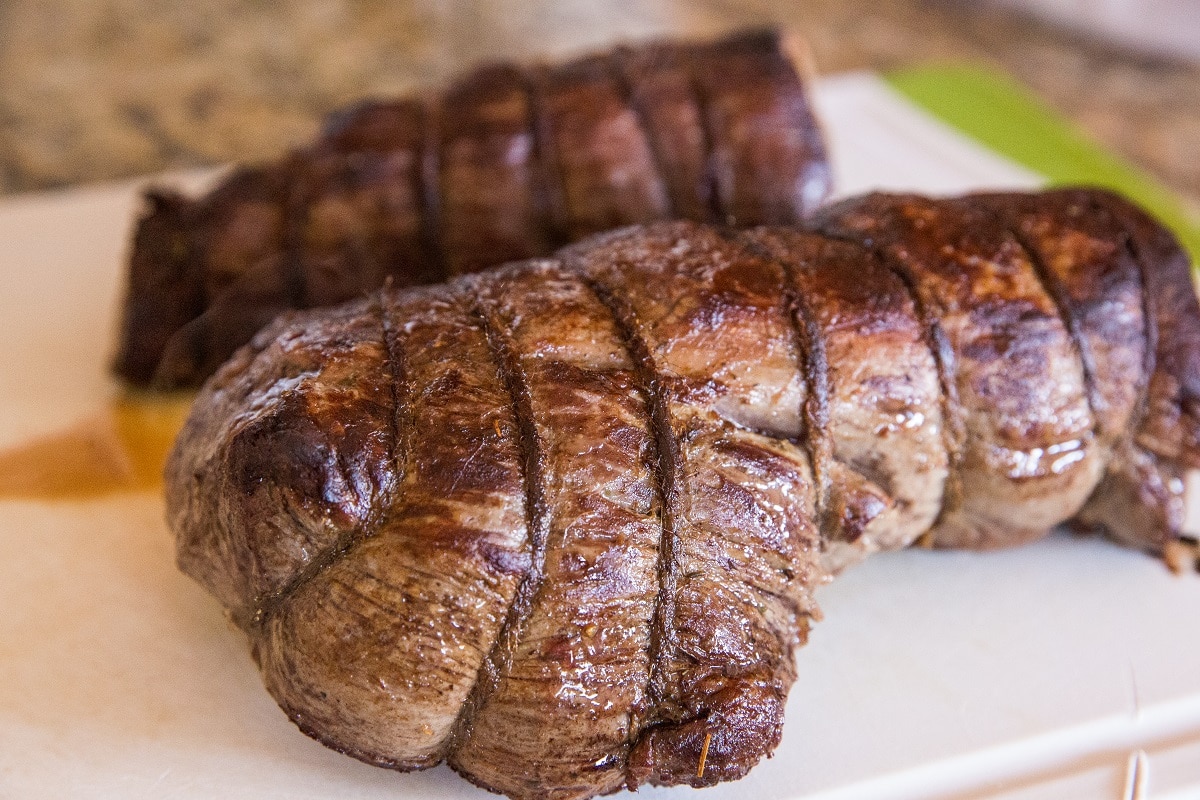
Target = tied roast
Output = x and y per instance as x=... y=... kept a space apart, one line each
x=510 y=161
x=559 y=524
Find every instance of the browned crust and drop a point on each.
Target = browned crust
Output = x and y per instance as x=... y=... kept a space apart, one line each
x=662 y=633
x=954 y=430
x=498 y=661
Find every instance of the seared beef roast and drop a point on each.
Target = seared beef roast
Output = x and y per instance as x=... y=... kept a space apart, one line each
x=559 y=524
x=509 y=162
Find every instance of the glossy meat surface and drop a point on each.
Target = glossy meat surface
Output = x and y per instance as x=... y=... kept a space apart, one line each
x=509 y=162
x=559 y=524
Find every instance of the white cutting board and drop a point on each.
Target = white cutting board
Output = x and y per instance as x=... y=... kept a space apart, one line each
x=1025 y=674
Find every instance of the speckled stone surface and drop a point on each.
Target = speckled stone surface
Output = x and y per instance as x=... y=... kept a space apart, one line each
x=99 y=89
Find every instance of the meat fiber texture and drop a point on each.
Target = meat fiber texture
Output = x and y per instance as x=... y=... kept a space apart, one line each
x=509 y=162
x=559 y=524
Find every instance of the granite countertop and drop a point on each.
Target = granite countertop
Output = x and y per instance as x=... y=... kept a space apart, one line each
x=101 y=89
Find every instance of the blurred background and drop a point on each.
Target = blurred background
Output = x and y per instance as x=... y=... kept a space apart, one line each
x=101 y=89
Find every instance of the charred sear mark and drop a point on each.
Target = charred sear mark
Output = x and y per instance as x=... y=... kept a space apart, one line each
x=710 y=195
x=946 y=361
x=548 y=181
x=537 y=519
x=810 y=347
x=1057 y=293
x=402 y=422
x=616 y=68
x=1150 y=321
x=954 y=435
x=662 y=631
